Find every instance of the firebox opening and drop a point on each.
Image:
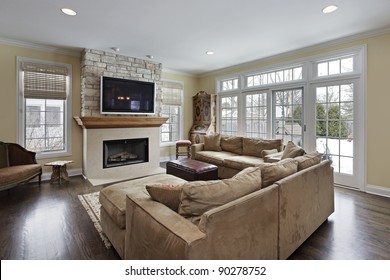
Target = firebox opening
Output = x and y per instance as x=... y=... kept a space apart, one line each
x=125 y=151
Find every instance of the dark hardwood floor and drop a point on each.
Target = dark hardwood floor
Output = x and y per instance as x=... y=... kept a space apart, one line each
x=49 y=222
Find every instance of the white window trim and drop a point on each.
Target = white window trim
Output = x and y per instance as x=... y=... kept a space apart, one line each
x=20 y=103
x=181 y=116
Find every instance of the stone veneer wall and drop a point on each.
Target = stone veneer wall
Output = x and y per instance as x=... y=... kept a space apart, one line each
x=95 y=63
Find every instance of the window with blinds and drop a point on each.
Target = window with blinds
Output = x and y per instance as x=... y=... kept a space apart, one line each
x=44 y=95
x=171 y=105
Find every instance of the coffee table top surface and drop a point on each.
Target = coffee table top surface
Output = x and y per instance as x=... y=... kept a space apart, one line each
x=58 y=163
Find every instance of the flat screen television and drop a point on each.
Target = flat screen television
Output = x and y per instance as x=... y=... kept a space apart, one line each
x=123 y=96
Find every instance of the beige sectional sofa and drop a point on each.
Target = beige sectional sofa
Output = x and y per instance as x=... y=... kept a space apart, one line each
x=263 y=212
x=233 y=153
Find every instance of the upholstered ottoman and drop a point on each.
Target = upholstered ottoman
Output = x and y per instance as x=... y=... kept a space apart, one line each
x=113 y=201
x=192 y=170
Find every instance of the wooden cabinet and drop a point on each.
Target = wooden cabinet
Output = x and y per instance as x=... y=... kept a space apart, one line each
x=204 y=111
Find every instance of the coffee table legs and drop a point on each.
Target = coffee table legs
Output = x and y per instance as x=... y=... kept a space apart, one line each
x=59 y=172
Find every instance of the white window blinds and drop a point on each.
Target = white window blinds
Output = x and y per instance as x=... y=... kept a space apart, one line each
x=41 y=81
x=171 y=93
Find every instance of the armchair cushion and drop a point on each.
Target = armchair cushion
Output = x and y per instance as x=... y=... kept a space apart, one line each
x=3 y=155
x=200 y=196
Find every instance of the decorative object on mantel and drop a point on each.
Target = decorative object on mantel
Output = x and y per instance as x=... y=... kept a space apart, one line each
x=88 y=122
x=204 y=116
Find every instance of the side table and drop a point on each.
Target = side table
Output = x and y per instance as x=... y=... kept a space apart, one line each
x=59 y=170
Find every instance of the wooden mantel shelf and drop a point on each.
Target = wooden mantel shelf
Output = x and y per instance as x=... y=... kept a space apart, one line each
x=88 y=122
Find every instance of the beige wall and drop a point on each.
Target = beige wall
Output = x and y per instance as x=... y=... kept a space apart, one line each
x=377 y=96
x=190 y=89
x=8 y=97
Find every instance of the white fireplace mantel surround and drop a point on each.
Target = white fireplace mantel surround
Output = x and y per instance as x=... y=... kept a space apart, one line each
x=103 y=128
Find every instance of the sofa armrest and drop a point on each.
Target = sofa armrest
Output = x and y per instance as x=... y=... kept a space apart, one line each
x=196 y=148
x=154 y=231
x=246 y=228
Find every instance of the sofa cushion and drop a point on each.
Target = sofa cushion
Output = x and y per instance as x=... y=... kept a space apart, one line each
x=292 y=150
x=308 y=160
x=18 y=173
x=212 y=142
x=200 y=196
x=213 y=157
x=166 y=194
x=272 y=172
x=254 y=147
x=242 y=162
x=231 y=144
x=273 y=157
x=3 y=155
x=113 y=197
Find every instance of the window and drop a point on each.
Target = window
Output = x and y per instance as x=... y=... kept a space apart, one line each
x=288 y=117
x=229 y=115
x=256 y=115
x=44 y=100
x=280 y=76
x=171 y=107
x=337 y=66
x=230 y=84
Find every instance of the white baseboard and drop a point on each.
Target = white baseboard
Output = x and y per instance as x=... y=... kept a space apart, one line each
x=169 y=158
x=378 y=190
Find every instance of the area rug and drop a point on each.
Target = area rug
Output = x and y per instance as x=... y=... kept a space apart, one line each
x=91 y=203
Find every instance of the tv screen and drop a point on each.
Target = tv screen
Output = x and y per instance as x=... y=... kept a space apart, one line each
x=122 y=96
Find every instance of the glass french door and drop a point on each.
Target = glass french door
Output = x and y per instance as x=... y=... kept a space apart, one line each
x=338 y=130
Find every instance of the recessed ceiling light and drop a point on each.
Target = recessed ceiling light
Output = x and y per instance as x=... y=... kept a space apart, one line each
x=329 y=9
x=68 y=12
x=149 y=56
x=209 y=52
x=115 y=49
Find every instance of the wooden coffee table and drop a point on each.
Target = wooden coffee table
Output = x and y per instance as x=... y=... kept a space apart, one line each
x=59 y=170
x=192 y=170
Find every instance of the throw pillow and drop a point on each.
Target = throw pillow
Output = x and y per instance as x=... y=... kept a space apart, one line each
x=292 y=150
x=168 y=195
x=308 y=160
x=212 y=142
x=200 y=196
x=272 y=172
x=265 y=153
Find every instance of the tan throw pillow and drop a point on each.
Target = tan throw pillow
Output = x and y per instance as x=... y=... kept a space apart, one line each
x=200 y=196
x=292 y=150
x=272 y=172
x=308 y=160
x=265 y=153
x=212 y=142
x=168 y=195
x=232 y=144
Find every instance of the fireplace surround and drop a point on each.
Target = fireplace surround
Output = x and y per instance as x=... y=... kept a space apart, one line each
x=97 y=130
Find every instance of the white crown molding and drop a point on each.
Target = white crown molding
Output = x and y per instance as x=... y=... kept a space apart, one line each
x=343 y=40
x=175 y=72
x=40 y=47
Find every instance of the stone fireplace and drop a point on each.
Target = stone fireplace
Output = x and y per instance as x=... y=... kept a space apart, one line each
x=104 y=159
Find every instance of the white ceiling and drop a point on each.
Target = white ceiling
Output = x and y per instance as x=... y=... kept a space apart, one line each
x=179 y=32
